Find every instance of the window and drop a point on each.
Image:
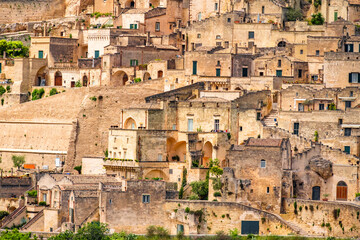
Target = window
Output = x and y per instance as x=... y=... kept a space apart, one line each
x=300 y=73
x=159 y=158
x=245 y=72
x=300 y=107
x=240 y=129
x=194 y=67
x=217 y=125
x=44 y=197
x=170 y=171
x=41 y=54
x=199 y=16
x=351 y=93
x=218 y=44
x=347 y=132
x=267 y=190
x=263 y=163
x=251 y=35
x=157 y=26
x=218 y=36
x=261 y=74
x=335 y=16
x=263 y=9
x=134 y=62
x=347 y=104
x=347 y=149
x=317 y=53
x=133 y=26
x=199 y=35
x=340 y=121
x=97 y=54
x=258 y=116
x=353 y=77
x=301 y=51
x=216 y=6
x=349 y=47
x=226 y=44
x=174 y=127
x=146 y=198
x=296 y=128
x=279 y=73
x=229 y=20
x=110 y=201
x=218 y=72
x=279 y=63
x=321 y=106
x=190 y=125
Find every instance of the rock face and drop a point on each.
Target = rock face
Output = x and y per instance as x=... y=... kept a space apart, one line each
x=321 y=166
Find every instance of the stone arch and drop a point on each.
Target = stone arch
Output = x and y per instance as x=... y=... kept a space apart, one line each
x=282 y=43
x=170 y=142
x=341 y=191
x=156 y=174
x=154 y=3
x=208 y=151
x=11 y=209
x=146 y=76
x=119 y=79
x=58 y=78
x=180 y=151
x=130 y=123
x=85 y=81
x=238 y=89
x=130 y=4
x=160 y=74
x=41 y=77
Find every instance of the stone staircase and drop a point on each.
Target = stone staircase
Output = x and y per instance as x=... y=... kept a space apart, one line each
x=269 y=120
x=33 y=220
x=13 y=216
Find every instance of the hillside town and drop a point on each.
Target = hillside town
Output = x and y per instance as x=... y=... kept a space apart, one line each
x=195 y=117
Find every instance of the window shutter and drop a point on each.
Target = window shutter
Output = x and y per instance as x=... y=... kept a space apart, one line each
x=350 y=79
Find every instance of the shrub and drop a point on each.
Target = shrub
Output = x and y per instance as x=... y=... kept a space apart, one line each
x=93 y=99
x=317 y=19
x=234 y=233
x=316 y=135
x=2 y=90
x=42 y=203
x=32 y=193
x=293 y=15
x=187 y=209
x=201 y=189
x=78 y=168
x=2 y=102
x=317 y=3
x=357 y=194
x=157 y=232
x=137 y=80
x=3 y=214
x=217 y=194
x=53 y=91
x=8 y=88
x=37 y=94
x=78 y=83
x=194 y=197
x=181 y=192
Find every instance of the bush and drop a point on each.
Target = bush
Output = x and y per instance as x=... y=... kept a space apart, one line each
x=2 y=90
x=137 y=80
x=3 y=214
x=78 y=84
x=8 y=89
x=42 y=203
x=317 y=3
x=293 y=15
x=15 y=234
x=217 y=194
x=37 y=94
x=181 y=192
x=317 y=19
x=187 y=209
x=78 y=168
x=157 y=231
x=201 y=189
x=53 y=91
x=32 y=193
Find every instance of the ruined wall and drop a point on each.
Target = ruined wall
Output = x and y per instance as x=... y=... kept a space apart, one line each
x=12 y=11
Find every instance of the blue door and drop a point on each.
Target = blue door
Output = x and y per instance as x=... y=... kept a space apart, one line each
x=249 y=227
x=97 y=54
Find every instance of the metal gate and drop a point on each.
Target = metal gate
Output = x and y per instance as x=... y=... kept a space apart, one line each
x=249 y=227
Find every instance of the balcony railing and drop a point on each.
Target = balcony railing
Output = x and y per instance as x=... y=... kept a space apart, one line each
x=116 y=162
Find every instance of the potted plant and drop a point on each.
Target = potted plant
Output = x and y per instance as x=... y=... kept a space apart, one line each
x=325 y=197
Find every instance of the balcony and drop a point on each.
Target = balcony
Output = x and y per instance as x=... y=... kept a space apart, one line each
x=116 y=162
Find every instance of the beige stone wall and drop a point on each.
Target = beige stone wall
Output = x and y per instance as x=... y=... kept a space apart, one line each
x=92 y=166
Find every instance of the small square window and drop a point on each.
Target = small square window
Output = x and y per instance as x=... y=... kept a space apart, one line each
x=267 y=190
x=251 y=35
x=146 y=198
x=240 y=129
x=263 y=164
x=301 y=51
x=199 y=35
x=229 y=20
x=317 y=53
x=347 y=132
x=170 y=171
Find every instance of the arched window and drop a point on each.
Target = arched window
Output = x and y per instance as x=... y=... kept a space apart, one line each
x=263 y=163
x=282 y=44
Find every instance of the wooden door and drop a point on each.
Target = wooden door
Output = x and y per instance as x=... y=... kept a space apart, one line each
x=58 y=81
x=341 y=193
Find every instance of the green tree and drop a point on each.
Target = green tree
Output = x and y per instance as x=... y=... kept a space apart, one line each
x=67 y=235
x=18 y=160
x=3 y=214
x=78 y=168
x=93 y=231
x=317 y=19
x=37 y=94
x=201 y=189
x=15 y=235
x=293 y=15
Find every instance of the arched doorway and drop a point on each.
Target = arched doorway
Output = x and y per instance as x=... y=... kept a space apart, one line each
x=180 y=151
x=41 y=77
x=156 y=174
x=130 y=124
x=208 y=150
x=132 y=4
x=316 y=193
x=119 y=79
x=341 y=191
x=282 y=44
x=160 y=74
x=85 y=81
x=154 y=3
x=58 y=78
x=146 y=76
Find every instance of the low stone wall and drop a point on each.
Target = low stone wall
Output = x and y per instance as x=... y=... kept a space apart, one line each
x=323 y=218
